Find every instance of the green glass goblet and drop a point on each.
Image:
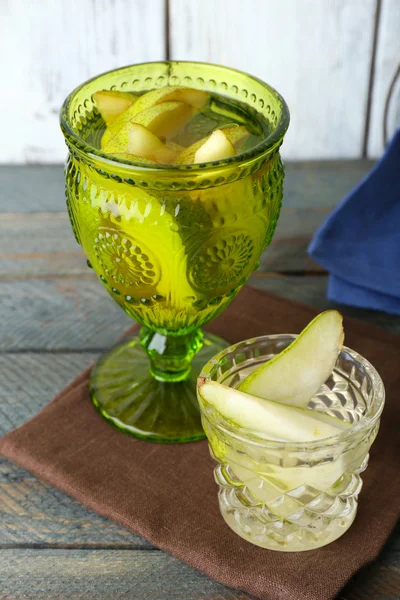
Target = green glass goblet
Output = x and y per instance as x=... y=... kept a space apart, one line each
x=172 y=244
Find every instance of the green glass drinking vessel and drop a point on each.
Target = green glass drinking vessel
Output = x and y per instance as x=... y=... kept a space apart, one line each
x=172 y=243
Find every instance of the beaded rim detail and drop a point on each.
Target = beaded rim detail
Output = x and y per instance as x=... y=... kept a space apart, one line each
x=249 y=161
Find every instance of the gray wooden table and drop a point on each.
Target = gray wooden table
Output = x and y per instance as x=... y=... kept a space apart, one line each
x=55 y=320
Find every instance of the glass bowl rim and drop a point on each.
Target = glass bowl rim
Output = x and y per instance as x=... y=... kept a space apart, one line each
x=248 y=436
x=274 y=139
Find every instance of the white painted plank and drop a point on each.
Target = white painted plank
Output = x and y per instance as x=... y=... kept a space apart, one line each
x=317 y=54
x=48 y=47
x=386 y=64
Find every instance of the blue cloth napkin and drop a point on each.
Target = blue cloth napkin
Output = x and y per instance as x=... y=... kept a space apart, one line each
x=359 y=243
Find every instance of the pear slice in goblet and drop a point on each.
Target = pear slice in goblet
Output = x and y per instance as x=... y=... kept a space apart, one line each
x=216 y=147
x=111 y=103
x=232 y=134
x=164 y=120
x=190 y=96
x=137 y=140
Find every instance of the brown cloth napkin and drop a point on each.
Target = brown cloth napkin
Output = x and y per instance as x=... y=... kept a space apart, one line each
x=167 y=494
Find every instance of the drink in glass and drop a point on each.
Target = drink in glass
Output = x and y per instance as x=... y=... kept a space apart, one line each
x=171 y=230
x=293 y=496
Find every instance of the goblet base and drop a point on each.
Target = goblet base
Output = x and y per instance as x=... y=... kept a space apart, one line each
x=128 y=396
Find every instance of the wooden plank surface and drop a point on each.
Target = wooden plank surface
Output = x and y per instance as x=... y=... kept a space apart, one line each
x=31 y=512
x=84 y=574
x=42 y=245
x=31 y=189
x=387 y=64
x=312 y=290
x=317 y=54
x=35 y=515
x=37 y=240
x=55 y=46
x=72 y=314
x=31 y=379
x=320 y=184
x=61 y=314
x=56 y=317
x=40 y=189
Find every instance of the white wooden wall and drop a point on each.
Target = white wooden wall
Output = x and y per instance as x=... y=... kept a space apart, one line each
x=327 y=58
x=387 y=64
x=48 y=47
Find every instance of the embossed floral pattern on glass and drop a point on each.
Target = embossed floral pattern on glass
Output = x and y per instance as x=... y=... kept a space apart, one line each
x=172 y=244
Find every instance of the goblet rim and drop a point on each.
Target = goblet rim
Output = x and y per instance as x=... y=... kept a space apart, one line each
x=263 y=149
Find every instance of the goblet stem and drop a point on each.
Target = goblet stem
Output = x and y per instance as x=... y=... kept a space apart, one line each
x=159 y=405
x=171 y=355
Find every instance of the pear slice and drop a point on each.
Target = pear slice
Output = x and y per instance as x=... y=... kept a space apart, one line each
x=296 y=374
x=234 y=134
x=164 y=120
x=137 y=140
x=195 y=98
x=216 y=147
x=112 y=103
x=269 y=419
